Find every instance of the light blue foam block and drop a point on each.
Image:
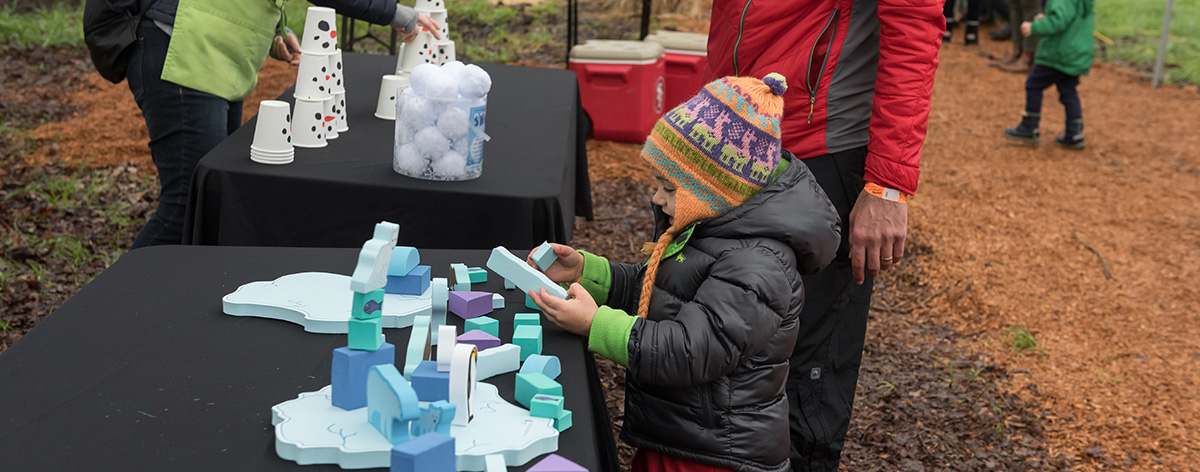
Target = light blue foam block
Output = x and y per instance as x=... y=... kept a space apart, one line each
x=529 y=339
x=527 y=278
x=548 y=365
x=349 y=374
x=404 y=260
x=392 y=404
x=460 y=278
x=544 y=256
x=418 y=344
x=433 y=452
x=436 y=417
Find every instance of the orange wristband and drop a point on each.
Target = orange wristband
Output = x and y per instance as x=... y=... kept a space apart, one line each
x=889 y=194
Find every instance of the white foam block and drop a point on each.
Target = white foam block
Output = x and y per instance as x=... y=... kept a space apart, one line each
x=448 y=335
x=499 y=360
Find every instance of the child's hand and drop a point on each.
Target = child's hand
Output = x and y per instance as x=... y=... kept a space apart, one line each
x=573 y=314
x=1027 y=29
x=567 y=268
x=1038 y=16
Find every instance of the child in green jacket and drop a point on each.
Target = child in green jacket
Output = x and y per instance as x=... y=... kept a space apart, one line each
x=1064 y=53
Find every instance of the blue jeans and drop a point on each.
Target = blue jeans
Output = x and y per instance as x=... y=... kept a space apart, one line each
x=184 y=124
x=1041 y=78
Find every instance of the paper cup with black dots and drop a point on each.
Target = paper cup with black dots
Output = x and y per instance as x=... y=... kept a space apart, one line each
x=312 y=78
x=337 y=78
x=389 y=89
x=430 y=5
x=339 y=109
x=418 y=51
x=320 y=31
x=329 y=119
x=308 y=124
x=438 y=15
x=272 y=129
x=445 y=51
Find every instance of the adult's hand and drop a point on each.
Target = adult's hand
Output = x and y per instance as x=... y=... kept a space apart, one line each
x=573 y=314
x=1026 y=29
x=423 y=21
x=567 y=267
x=286 y=48
x=877 y=231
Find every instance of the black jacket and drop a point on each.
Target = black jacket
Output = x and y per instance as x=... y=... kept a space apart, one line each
x=707 y=368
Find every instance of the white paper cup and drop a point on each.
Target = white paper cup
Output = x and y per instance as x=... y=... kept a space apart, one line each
x=339 y=109
x=419 y=51
x=273 y=128
x=312 y=77
x=389 y=89
x=431 y=5
x=329 y=119
x=445 y=51
x=308 y=124
x=337 y=77
x=270 y=159
x=320 y=31
x=438 y=15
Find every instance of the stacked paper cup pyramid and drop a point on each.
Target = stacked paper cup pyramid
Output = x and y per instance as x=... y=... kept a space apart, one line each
x=422 y=50
x=440 y=131
x=320 y=86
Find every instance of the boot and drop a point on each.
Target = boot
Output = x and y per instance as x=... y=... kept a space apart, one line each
x=1011 y=57
x=971 y=36
x=949 y=34
x=1020 y=66
x=1072 y=138
x=1001 y=34
x=1028 y=130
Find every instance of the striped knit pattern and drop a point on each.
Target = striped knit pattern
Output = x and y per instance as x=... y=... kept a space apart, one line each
x=719 y=148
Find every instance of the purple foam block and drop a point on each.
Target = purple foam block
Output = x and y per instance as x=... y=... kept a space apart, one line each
x=469 y=305
x=556 y=463
x=480 y=339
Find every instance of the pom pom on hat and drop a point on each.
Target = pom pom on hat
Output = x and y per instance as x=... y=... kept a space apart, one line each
x=777 y=82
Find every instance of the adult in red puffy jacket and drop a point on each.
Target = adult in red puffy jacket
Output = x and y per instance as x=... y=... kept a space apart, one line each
x=860 y=75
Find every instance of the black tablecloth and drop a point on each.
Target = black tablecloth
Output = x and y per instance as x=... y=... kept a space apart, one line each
x=534 y=178
x=141 y=370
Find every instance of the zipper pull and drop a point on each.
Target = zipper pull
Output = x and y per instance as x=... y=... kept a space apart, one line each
x=812 y=104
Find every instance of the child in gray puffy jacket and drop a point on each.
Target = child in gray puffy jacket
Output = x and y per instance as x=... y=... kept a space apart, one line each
x=706 y=325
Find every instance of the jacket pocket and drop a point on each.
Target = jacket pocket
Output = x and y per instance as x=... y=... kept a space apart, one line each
x=818 y=57
x=706 y=405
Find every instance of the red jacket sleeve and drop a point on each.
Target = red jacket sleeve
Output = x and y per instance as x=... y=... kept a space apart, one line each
x=909 y=38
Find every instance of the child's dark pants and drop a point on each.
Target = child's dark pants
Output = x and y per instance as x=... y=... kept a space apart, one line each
x=1041 y=78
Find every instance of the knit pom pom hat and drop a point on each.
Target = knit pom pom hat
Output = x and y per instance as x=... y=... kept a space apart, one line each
x=719 y=148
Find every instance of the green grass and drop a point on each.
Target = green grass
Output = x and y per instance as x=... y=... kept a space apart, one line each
x=1023 y=341
x=57 y=26
x=1136 y=25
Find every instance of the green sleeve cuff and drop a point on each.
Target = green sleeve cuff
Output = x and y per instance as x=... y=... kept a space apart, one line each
x=597 y=278
x=609 y=336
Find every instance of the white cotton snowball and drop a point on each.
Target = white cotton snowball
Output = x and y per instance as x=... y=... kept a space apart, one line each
x=453 y=123
x=418 y=113
x=404 y=133
x=460 y=146
x=453 y=68
x=474 y=82
x=451 y=164
x=420 y=76
x=442 y=86
x=409 y=160
x=431 y=143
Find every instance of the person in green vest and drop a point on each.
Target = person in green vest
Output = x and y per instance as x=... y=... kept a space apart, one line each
x=1064 y=53
x=192 y=65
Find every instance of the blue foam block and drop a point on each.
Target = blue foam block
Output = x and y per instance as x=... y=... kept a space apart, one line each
x=433 y=452
x=415 y=283
x=548 y=365
x=430 y=384
x=349 y=373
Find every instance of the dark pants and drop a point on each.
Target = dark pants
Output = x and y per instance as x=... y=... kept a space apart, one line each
x=1041 y=78
x=184 y=124
x=1021 y=11
x=970 y=17
x=824 y=363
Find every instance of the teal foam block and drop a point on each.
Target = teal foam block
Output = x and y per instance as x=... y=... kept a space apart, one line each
x=431 y=385
x=460 y=278
x=392 y=404
x=486 y=324
x=368 y=305
x=529 y=339
x=433 y=452
x=527 y=278
x=365 y=335
x=546 y=406
x=544 y=256
x=477 y=275
x=530 y=304
x=404 y=260
x=531 y=385
x=548 y=365
x=563 y=421
x=415 y=283
x=349 y=374
x=530 y=319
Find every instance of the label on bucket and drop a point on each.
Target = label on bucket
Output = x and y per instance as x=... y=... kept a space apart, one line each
x=476 y=117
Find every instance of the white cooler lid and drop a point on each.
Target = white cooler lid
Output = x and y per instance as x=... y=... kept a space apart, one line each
x=680 y=41
x=610 y=50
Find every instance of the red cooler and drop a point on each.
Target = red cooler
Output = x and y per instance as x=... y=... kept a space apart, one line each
x=622 y=84
x=685 y=55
